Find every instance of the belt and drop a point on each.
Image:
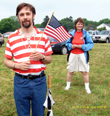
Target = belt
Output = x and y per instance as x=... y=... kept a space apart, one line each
x=30 y=77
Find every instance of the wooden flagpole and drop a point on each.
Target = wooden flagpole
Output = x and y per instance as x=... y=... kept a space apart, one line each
x=44 y=31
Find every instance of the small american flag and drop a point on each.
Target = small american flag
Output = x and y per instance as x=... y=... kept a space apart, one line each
x=56 y=30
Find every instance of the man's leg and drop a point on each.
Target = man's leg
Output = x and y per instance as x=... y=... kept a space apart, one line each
x=39 y=96
x=21 y=95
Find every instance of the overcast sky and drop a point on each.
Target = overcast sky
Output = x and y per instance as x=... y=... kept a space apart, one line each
x=95 y=10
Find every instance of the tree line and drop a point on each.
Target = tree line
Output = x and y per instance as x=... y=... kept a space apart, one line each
x=12 y=23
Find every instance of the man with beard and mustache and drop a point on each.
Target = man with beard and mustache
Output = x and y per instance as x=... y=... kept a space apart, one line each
x=29 y=64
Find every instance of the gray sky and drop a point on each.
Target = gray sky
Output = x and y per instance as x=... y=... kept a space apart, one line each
x=95 y=10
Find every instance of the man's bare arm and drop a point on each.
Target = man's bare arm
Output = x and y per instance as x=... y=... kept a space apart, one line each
x=10 y=64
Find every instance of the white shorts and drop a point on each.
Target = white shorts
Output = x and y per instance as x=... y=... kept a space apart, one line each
x=77 y=62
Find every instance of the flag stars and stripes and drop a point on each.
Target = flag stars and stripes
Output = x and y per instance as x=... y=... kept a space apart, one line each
x=56 y=30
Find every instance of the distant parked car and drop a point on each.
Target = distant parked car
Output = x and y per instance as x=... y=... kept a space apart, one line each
x=103 y=36
x=57 y=47
x=1 y=39
x=7 y=34
x=93 y=32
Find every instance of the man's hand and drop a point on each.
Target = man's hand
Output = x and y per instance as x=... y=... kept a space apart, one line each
x=35 y=55
x=23 y=65
x=10 y=64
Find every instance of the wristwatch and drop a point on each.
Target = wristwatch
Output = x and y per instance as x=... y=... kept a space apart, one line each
x=43 y=57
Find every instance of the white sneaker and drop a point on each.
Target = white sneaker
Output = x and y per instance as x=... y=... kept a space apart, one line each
x=88 y=91
x=67 y=88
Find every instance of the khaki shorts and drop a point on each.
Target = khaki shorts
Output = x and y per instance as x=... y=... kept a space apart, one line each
x=77 y=62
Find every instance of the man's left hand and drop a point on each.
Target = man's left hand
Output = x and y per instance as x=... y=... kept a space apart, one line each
x=35 y=55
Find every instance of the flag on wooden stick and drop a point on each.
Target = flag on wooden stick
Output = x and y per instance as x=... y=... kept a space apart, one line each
x=56 y=30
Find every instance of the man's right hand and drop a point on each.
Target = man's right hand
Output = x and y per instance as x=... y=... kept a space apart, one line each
x=23 y=65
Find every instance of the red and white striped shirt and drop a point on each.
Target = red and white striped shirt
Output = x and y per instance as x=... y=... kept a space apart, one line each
x=18 y=48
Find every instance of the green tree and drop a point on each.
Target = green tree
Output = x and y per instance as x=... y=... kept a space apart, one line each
x=90 y=27
x=67 y=23
x=104 y=21
x=45 y=21
x=103 y=28
x=6 y=25
x=16 y=23
x=38 y=25
x=71 y=18
x=9 y=24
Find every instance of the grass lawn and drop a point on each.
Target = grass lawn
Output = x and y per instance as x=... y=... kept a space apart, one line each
x=75 y=102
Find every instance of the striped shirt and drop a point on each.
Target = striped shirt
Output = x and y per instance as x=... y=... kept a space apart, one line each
x=18 y=48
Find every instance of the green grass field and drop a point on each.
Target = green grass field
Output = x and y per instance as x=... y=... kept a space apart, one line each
x=75 y=102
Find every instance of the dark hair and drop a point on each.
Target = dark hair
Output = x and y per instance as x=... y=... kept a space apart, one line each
x=78 y=20
x=20 y=6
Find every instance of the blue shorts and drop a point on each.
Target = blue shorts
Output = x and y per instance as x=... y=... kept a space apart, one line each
x=30 y=93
